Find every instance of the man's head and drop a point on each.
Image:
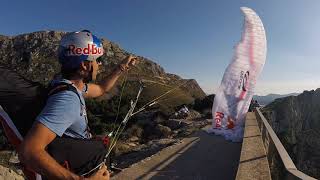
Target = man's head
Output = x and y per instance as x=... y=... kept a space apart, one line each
x=79 y=54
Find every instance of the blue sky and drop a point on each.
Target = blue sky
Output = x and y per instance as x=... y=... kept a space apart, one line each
x=193 y=39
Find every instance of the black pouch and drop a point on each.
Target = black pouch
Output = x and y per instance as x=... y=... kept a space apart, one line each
x=80 y=156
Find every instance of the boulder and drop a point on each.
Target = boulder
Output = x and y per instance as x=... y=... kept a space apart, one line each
x=164 y=131
x=8 y=174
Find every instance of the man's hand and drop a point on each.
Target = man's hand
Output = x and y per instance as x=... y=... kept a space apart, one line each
x=102 y=174
x=96 y=90
x=128 y=62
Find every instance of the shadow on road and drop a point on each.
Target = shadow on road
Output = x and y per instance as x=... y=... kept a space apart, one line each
x=206 y=156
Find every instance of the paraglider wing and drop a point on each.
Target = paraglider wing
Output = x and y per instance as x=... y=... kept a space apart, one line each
x=237 y=87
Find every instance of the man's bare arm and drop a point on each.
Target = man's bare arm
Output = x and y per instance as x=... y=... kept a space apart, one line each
x=96 y=90
x=32 y=153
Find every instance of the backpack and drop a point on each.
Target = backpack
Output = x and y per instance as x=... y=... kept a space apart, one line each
x=22 y=100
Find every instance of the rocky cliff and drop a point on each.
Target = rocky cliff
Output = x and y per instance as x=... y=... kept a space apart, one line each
x=34 y=56
x=296 y=121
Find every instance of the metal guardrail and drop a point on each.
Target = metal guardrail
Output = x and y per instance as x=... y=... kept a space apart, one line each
x=269 y=136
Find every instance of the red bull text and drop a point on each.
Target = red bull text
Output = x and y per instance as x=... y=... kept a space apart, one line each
x=91 y=49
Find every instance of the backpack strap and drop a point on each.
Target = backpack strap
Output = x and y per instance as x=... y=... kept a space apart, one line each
x=63 y=86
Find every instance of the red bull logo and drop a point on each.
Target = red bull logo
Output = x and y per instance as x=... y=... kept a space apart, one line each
x=243 y=84
x=218 y=118
x=243 y=81
x=91 y=49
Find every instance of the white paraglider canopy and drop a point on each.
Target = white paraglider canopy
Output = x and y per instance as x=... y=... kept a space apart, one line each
x=234 y=95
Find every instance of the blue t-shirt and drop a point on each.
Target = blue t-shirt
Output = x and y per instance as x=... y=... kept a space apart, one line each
x=65 y=114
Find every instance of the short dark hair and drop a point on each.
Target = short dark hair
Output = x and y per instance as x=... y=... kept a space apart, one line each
x=68 y=73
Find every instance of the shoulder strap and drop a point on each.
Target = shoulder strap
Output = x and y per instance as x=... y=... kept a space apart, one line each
x=63 y=86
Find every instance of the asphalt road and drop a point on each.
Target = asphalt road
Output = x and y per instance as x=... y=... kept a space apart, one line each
x=199 y=157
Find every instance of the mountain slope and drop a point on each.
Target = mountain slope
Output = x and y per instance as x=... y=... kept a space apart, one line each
x=33 y=55
x=264 y=100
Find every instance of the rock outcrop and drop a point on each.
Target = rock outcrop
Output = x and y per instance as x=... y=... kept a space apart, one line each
x=296 y=121
x=8 y=174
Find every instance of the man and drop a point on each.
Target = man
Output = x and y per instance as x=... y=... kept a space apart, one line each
x=65 y=111
x=251 y=106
